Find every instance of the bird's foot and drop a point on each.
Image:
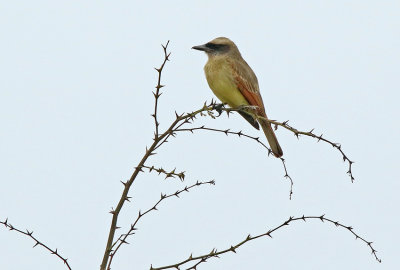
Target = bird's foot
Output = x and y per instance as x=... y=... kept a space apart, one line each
x=218 y=107
x=247 y=108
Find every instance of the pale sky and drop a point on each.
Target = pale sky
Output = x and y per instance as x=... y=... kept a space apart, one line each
x=75 y=104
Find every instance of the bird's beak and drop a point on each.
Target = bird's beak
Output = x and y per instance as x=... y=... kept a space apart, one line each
x=201 y=48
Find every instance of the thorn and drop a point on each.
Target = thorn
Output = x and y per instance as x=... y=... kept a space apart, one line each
x=124 y=241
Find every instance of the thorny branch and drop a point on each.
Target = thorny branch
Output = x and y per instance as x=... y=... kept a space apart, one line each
x=211 y=109
x=161 y=138
x=240 y=134
x=37 y=242
x=157 y=142
x=157 y=94
x=149 y=152
x=122 y=239
x=215 y=253
x=297 y=133
x=173 y=173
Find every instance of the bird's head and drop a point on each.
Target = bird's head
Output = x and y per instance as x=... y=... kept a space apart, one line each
x=218 y=46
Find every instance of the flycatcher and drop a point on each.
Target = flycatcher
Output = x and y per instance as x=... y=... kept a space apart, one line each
x=234 y=83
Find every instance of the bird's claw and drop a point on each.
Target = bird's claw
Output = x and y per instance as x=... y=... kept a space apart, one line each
x=218 y=107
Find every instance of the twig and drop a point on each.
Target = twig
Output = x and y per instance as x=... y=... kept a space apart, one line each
x=287 y=176
x=297 y=133
x=157 y=94
x=37 y=242
x=226 y=132
x=122 y=239
x=173 y=174
x=215 y=253
x=240 y=134
x=158 y=141
x=127 y=185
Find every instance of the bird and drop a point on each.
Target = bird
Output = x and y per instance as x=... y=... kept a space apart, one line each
x=234 y=83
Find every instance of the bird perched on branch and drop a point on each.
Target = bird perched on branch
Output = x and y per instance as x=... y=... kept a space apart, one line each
x=234 y=83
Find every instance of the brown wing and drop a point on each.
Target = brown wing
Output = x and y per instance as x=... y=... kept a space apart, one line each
x=247 y=84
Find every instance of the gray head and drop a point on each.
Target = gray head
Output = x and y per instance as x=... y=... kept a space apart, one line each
x=219 y=46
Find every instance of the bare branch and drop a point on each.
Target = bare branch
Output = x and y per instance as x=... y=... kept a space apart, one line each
x=297 y=133
x=287 y=176
x=157 y=94
x=241 y=134
x=215 y=253
x=212 y=110
x=249 y=109
x=123 y=237
x=173 y=173
x=127 y=185
x=37 y=241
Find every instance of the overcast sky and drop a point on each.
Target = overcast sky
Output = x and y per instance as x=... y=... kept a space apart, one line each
x=75 y=104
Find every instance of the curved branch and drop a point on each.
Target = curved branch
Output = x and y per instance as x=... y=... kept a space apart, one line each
x=297 y=133
x=122 y=239
x=215 y=253
x=37 y=241
x=240 y=134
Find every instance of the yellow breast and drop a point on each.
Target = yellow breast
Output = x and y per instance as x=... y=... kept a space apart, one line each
x=221 y=81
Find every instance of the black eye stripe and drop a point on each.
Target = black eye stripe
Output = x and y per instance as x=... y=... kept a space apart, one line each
x=217 y=47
